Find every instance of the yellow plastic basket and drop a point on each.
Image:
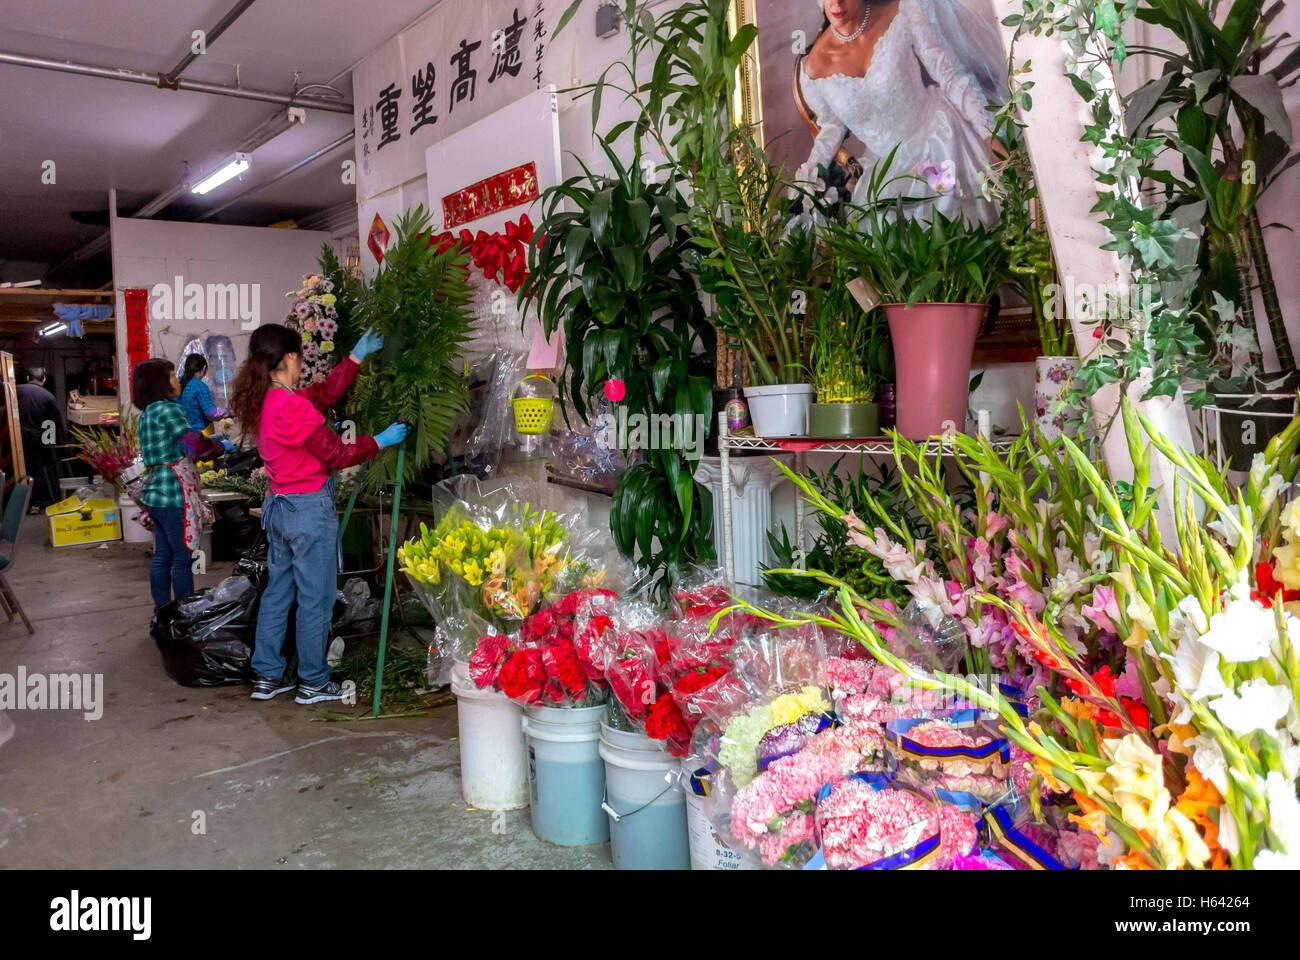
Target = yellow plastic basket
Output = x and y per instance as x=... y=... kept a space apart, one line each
x=533 y=414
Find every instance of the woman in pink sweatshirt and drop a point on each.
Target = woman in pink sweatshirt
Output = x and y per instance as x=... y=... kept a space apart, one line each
x=299 y=450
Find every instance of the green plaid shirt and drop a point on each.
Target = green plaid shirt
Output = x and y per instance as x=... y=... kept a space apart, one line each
x=161 y=427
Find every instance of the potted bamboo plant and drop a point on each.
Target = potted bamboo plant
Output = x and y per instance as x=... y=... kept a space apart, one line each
x=936 y=277
x=846 y=366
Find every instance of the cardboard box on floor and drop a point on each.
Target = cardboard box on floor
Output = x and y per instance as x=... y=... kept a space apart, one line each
x=71 y=522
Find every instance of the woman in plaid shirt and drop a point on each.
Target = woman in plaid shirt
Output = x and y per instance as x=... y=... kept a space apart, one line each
x=165 y=441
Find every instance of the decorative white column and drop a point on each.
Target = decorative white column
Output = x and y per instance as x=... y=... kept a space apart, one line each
x=752 y=480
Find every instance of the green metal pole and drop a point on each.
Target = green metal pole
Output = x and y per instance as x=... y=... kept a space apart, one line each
x=388 y=577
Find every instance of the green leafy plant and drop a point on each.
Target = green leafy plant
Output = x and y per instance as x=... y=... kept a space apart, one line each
x=347 y=291
x=915 y=260
x=832 y=552
x=610 y=264
x=1158 y=344
x=1029 y=251
x=760 y=269
x=635 y=316
x=419 y=300
x=1213 y=99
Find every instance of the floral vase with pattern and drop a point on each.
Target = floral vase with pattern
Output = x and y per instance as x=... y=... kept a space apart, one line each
x=1054 y=414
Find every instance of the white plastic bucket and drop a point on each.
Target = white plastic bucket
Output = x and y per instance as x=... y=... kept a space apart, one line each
x=644 y=802
x=566 y=778
x=780 y=410
x=133 y=530
x=709 y=850
x=493 y=755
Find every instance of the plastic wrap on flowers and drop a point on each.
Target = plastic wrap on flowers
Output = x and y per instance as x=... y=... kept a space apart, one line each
x=867 y=690
x=771 y=814
x=1013 y=837
x=957 y=752
x=493 y=553
x=869 y=822
x=929 y=638
x=490 y=415
x=739 y=744
x=540 y=664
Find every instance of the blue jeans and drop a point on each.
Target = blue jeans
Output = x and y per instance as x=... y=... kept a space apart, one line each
x=302 y=561
x=170 y=572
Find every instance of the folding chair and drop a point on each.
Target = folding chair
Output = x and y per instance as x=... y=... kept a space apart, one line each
x=14 y=514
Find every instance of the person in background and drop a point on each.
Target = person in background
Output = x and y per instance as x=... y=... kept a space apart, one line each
x=42 y=428
x=196 y=397
x=170 y=491
x=299 y=451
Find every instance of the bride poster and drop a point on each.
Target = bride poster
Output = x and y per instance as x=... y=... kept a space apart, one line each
x=856 y=78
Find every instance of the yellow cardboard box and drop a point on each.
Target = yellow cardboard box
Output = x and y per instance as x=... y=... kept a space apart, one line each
x=71 y=522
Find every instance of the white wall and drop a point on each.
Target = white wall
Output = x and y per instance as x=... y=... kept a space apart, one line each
x=150 y=252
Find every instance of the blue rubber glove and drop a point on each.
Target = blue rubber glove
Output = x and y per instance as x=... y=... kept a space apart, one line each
x=226 y=445
x=391 y=436
x=369 y=343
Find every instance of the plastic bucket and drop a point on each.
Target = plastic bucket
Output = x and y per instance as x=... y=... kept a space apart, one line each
x=493 y=755
x=645 y=804
x=566 y=778
x=709 y=850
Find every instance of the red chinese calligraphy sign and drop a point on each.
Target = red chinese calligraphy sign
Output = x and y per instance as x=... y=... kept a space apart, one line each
x=137 y=327
x=512 y=188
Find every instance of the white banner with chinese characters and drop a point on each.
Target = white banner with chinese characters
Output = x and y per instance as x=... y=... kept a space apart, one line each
x=464 y=62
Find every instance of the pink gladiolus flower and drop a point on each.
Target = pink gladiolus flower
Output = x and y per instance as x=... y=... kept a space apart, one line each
x=1104 y=610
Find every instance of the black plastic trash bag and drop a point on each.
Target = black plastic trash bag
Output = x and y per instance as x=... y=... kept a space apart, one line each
x=206 y=640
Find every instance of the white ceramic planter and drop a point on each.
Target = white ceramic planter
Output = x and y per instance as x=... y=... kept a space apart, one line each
x=780 y=410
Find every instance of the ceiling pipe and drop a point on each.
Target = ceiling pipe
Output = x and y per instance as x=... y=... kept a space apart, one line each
x=304 y=162
x=194 y=86
x=169 y=78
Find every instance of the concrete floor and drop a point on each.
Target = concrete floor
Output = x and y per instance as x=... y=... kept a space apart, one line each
x=275 y=788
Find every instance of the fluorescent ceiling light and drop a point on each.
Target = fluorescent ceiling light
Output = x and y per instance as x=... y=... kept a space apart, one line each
x=234 y=167
x=53 y=328
x=24 y=283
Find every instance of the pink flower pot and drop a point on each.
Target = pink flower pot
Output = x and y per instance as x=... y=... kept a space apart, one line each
x=933 y=346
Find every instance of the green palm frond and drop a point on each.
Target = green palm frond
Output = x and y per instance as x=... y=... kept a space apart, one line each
x=419 y=301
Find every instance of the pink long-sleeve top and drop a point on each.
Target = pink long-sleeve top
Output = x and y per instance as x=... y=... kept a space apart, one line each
x=297 y=446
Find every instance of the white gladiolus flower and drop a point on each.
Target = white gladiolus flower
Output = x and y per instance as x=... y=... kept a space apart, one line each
x=1207 y=757
x=1196 y=668
x=1257 y=705
x=1284 y=822
x=1241 y=632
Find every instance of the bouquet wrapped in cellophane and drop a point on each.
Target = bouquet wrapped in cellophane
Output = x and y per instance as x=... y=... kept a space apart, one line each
x=493 y=560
